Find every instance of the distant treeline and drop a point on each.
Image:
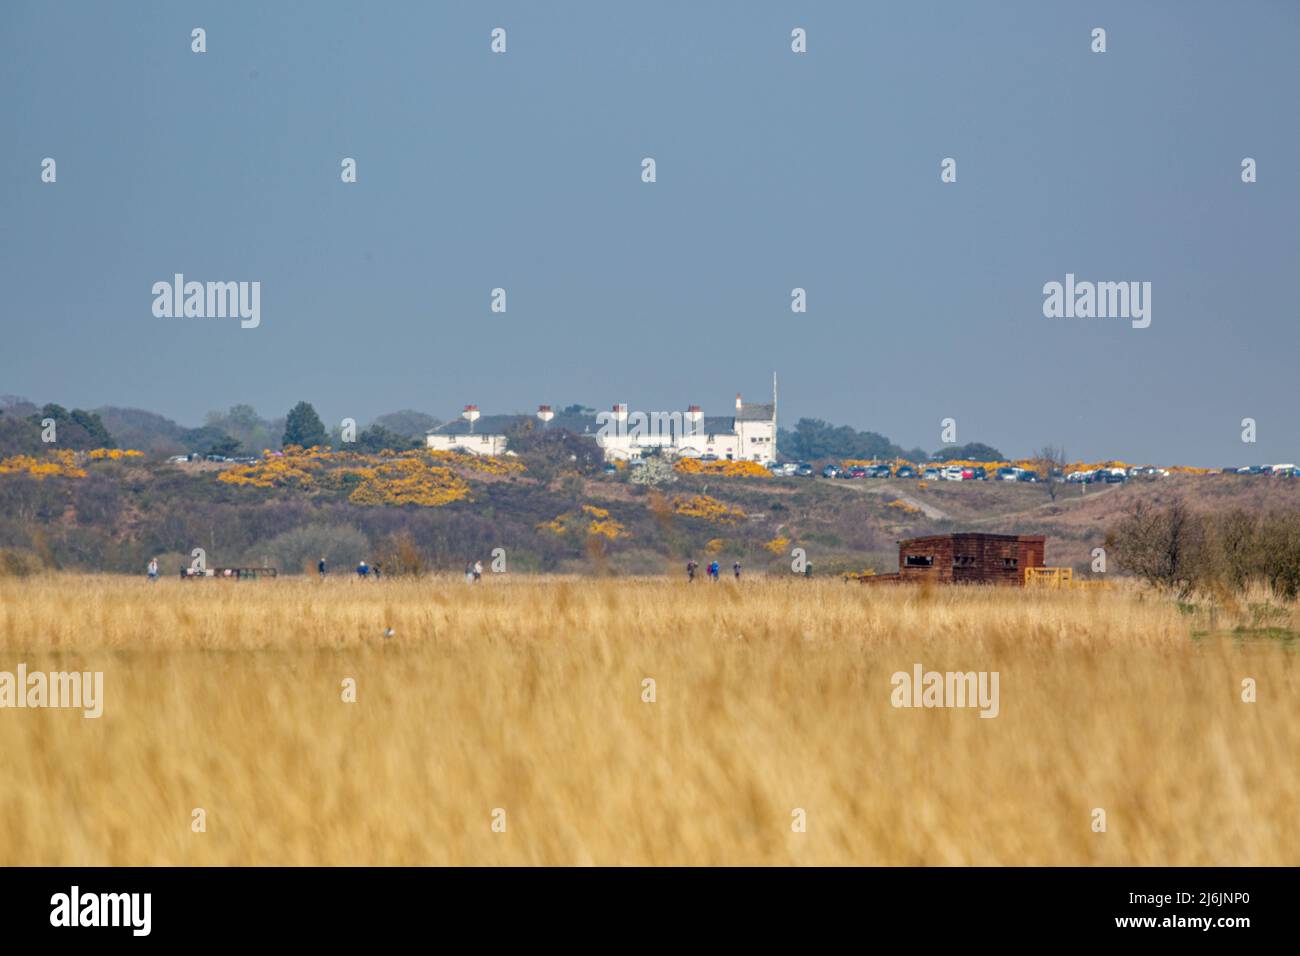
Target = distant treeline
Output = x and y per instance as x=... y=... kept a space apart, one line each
x=813 y=439
x=240 y=430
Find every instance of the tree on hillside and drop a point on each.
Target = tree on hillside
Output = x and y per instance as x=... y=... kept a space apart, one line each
x=377 y=438
x=972 y=451
x=1051 y=468
x=209 y=440
x=77 y=429
x=303 y=427
x=655 y=471
x=18 y=436
x=813 y=438
x=408 y=423
x=242 y=423
x=225 y=446
x=144 y=431
x=549 y=452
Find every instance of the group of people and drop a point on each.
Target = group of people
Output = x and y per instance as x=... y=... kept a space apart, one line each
x=473 y=570
x=712 y=570
x=364 y=571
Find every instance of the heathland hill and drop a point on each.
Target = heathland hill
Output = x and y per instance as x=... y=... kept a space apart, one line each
x=554 y=507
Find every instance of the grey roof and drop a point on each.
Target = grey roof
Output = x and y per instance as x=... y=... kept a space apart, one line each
x=500 y=424
x=755 y=413
x=587 y=424
x=486 y=425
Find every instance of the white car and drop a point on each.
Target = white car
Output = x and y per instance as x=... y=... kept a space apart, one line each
x=952 y=473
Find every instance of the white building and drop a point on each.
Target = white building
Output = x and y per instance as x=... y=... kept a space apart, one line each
x=473 y=444
x=460 y=436
x=747 y=435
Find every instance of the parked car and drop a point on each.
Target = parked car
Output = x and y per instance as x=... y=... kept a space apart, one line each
x=1007 y=473
x=905 y=471
x=932 y=474
x=803 y=470
x=831 y=471
x=953 y=473
x=879 y=471
x=611 y=469
x=857 y=471
x=979 y=474
x=1027 y=475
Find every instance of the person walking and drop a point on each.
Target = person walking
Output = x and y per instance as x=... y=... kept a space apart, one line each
x=735 y=569
x=713 y=571
x=690 y=569
x=363 y=570
x=152 y=570
x=478 y=572
x=469 y=572
x=320 y=567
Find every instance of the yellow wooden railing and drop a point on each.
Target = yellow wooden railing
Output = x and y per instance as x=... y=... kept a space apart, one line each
x=1049 y=577
x=1059 y=578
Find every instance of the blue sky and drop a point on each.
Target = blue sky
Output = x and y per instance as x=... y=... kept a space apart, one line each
x=775 y=170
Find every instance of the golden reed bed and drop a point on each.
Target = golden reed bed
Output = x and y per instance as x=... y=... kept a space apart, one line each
x=526 y=695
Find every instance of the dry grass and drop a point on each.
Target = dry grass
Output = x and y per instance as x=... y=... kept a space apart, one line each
x=525 y=694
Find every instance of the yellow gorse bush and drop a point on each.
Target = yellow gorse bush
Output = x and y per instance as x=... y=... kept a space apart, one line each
x=729 y=469
x=483 y=464
x=415 y=477
x=599 y=523
x=294 y=468
x=408 y=481
x=59 y=464
x=113 y=454
x=710 y=509
x=62 y=463
x=777 y=545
